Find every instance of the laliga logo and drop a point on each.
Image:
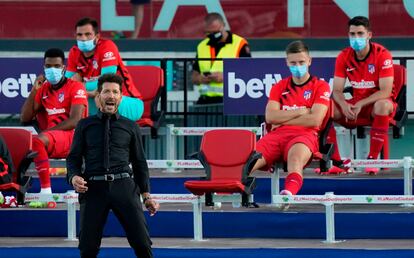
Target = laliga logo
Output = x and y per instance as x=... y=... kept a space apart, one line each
x=254 y=88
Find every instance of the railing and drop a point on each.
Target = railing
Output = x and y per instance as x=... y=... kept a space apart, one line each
x=329 y=200
x=70 y=198
x=407 y=163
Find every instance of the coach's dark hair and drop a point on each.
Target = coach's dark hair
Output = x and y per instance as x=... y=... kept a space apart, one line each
x=85 y=21
x=55 y=52
x=110 y=77
x=297 y=46
x=360 y=21
x=213 y=17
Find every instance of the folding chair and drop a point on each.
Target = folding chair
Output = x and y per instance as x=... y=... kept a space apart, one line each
x=149 y=80
x=19 y=143
x=227 y=156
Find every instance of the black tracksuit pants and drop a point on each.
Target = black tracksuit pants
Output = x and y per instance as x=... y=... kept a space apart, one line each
x=122 y=196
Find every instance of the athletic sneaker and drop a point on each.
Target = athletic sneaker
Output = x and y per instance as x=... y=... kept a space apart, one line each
x=285 y=206
x=372 y=171
x=340 y=167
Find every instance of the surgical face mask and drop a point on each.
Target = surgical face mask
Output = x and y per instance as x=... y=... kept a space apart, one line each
x=215 y=37
x=298 y=71
x=53 y=75
x=358 y=43
x=87 y=45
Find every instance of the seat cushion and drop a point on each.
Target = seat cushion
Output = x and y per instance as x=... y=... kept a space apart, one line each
x=222 y=186
x=10 y=187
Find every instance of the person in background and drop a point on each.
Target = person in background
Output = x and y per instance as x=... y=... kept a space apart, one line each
x=219 y=43
x=138 y=7
x=369 y=68
x=107 y=144
x=296 y=109
x=60 y=103
x=138 y=12
x=94 y=56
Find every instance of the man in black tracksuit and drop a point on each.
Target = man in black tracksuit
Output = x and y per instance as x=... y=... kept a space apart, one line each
x=108 y=143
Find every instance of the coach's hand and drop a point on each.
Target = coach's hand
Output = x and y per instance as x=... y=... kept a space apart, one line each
x=79 y=184
x=152 y=206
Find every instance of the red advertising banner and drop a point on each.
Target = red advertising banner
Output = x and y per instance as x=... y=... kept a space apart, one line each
x=55 y=19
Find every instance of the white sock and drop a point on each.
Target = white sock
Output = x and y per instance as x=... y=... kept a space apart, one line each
x=46 y=190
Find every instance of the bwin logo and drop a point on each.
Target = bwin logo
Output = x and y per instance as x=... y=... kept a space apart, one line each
x=254 y=87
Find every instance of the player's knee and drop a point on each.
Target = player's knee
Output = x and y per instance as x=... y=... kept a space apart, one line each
x=37 y=143
x=294 y=161
x=383 y=107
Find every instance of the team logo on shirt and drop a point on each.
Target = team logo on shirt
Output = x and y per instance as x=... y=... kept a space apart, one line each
x=108 y=56
x=326 y=95
x=371 y=68
x=387 y=64
x=307 y=94
x=61 y=97
x=95 y=64
x=80 y=94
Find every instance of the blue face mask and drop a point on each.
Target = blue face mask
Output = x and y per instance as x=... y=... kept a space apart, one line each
x=358 y=43
x=87 y=45
x=298 y=71
x=53 y=75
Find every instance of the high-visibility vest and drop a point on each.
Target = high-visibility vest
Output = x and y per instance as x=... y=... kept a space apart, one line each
x=206 y=51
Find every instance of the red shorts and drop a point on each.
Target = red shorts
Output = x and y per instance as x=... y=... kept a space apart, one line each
x=59 y=142
x=364 y=116
x=275 y=145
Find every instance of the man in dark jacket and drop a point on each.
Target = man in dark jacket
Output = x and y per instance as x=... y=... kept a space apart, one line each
x=108 y=144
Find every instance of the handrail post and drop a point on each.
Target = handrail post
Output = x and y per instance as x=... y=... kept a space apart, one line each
x=71 y=215
x=171 y=146
x=275 y=185
x=330 y=219
x=198 y=219
x=408 y=178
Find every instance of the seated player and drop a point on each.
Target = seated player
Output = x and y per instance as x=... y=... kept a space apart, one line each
x=296 y=108
x=61 y=103
x=94 y=56
x=369 y=69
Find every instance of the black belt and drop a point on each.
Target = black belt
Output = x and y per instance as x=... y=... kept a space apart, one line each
x=109 y=177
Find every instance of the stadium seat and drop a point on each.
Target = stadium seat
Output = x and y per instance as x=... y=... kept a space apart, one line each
x=227 y=156
x=149 y=80
x=19 y=143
